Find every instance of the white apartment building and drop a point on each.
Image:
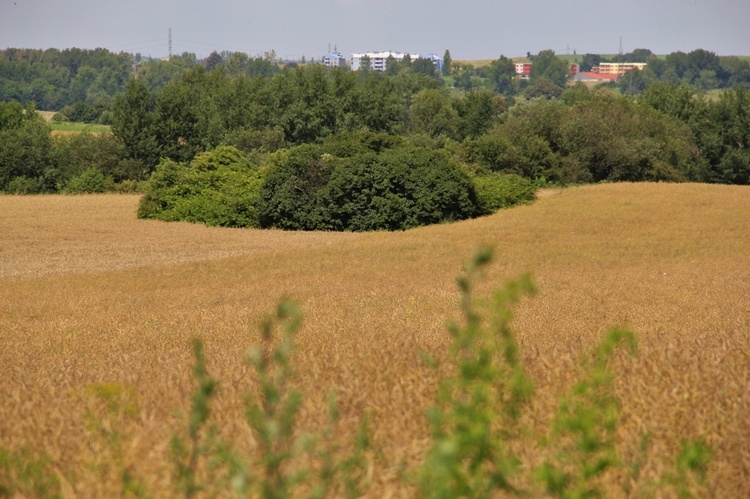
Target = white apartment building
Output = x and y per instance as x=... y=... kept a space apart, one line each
x=379 y=60
x=619 y=68
x=334 y=60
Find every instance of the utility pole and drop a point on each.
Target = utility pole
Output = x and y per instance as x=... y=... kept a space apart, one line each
x=170 y=43
x=620 y=59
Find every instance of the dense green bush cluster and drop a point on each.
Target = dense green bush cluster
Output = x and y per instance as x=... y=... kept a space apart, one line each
x=32 y=161
x=219 y=187
x=370 y=184
x=497 y=190
x=395 y=189
x=598 y=137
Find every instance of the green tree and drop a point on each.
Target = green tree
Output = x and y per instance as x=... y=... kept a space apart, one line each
x=635 y=81
x=395 y=188
x=237 y=63
x=735 y=71
x=398 y=189
x=431 y=113
x=24 y=145
x=376 y=106
x=133 y=122
x=423 y=66
x=548 y=65
x=79 y=87
x=293 y=196
x=307 y=111
x=214 y=60
x=500 y=74
x=219 y=187
x=615 y=139
x=544 y=88
x=392 y=66
x=447 y=62
x=365 y=65
x=187 y=121
x=73 y=154
x=478 y=111
x=730 y=117
x=698 y=61
x=462 y=75
x=589 y=61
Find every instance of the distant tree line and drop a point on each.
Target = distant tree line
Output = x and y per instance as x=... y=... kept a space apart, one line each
x=82 y=83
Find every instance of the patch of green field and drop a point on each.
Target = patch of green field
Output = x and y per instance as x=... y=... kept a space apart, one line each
x=79 y=128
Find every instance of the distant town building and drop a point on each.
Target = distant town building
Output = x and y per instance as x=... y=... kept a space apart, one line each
x=437 y=60
x=334 y=60
x=618 y=68
x=379 y=60
x=523 y=69
x=592 y=77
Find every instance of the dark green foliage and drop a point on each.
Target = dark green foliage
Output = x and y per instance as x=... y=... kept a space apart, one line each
x=75 y=153
x=84 y=112
x=431 y=113
x=478 y=111
x=589 y=61
x=54 y=79
x=24 y=144
x=400 y=189
x=721 y=129
x=600 y=137
x=635 y=81
x=615 y=140
x=548 y=66
x=424 y=66
x=308 y=109
x=248 y=140
x=219 y=187
x=347 y=145
x=526 y=144
x=133 y=122
x=25 y=185
x=308 y=188
x=730 y=117
x=376 y=106
x=497 y=190
x=187 y=119
x=176 y=109
x=447 y=61
x=88 y=182
x=576 y=93
x=294 y=194
x=500 y=74
x=544 y=88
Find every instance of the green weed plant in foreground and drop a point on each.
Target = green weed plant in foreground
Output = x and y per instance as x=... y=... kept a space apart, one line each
x=479 y=437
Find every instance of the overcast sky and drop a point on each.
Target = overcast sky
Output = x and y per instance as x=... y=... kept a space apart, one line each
x=470 y=29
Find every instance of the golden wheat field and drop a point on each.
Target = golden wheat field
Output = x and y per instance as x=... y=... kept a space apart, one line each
x=89 y=294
